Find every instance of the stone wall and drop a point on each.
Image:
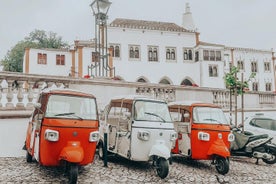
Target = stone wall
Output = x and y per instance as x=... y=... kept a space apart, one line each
x=19 y=91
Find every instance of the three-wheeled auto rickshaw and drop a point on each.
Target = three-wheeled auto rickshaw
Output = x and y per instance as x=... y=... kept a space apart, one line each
x=203 y=133
x=139 y=129
x=63 y=130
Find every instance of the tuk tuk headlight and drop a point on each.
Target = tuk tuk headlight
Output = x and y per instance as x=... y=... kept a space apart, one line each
x=143 y=135
x=203 y=136
x=51 y=135
x=94 y=136
x=231 y=137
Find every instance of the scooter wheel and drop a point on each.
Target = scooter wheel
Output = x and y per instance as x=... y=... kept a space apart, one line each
x=162 y=168
x=270 y=161
x=222 y=165
x=73 y=174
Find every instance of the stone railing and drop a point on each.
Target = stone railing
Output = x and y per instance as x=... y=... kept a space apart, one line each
x=19 y=92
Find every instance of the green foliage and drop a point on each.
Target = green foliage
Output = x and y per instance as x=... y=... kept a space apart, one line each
x=233 y=83
x=13 y=60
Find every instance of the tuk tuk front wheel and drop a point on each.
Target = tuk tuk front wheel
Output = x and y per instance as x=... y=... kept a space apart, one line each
x=73 y=173
x=101 y=150
x=29 y=157
x=222 y=165
x=162 y=168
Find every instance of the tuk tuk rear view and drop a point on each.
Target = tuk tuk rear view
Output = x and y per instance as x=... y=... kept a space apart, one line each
x=63 y=130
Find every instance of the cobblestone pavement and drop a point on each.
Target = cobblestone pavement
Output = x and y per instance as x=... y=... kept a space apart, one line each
x=119 y=170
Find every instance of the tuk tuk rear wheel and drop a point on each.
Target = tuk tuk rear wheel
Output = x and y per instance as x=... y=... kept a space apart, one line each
x=29 y=157
x=73 y=173
x=222 y=165
x=162 y=168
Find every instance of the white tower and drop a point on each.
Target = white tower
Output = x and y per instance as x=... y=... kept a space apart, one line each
x=187 y=19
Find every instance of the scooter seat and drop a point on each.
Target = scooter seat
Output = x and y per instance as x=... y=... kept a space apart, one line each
x=256 y=137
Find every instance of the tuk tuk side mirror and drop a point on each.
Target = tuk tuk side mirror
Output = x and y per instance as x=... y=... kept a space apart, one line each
x=101 y=115
x=186 y=115
x=37 y=105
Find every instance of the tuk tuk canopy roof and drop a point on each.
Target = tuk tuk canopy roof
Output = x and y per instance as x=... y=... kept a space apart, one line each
x=66 y=92
x=128 y=99
x=174 y=106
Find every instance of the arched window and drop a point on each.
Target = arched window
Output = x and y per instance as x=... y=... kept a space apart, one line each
x=190 y=55
x=150 y=54
x=131 y=52
x=164 y=81
x=136 y=53
x=168 y=54
x=155 y=54
x=185 y=54
x=117 y=51
x=173 y=54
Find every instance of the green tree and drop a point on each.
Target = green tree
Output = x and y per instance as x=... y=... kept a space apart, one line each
x=233 y=83
x=13 y=60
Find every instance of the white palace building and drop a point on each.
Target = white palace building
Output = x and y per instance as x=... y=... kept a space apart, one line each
x=158 y=52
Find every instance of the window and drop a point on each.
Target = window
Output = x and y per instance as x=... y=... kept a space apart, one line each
x=265 y=123
x=240 y=65
x=267 y=66
x=218 y=55
x=206 y=55
x=187 y=54
x=268 y=86
x=254 y=66
x=41 y=59
x=134 y=52
x=115 y=50
x=254 y=86
x=152 y=53
x=95 y=56
x=212 y=55
x=197 y=56
x=60 y=59
x=170 y=54
x=213 y=70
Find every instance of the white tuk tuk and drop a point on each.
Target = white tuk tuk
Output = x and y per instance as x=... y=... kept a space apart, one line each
x=139 y=129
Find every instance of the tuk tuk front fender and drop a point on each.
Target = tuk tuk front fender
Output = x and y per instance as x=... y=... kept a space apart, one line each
x=73 y=152
x=161 y=150
x=219 y=148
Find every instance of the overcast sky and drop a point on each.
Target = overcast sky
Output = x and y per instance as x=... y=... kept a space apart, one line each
x=239 y=23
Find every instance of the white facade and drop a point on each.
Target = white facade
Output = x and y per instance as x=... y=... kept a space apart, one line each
x=193 y=62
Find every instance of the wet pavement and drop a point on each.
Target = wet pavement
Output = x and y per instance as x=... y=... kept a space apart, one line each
x=119 y=170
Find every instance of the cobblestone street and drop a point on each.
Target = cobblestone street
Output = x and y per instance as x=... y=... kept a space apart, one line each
x=242 y=170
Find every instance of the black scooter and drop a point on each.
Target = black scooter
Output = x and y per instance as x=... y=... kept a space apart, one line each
x=256 y=146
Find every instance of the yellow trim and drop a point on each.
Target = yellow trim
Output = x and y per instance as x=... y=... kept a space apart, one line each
x=27 y=60
x=80 y=53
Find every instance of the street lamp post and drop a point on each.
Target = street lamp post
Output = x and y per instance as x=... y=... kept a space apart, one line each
x=100 y=9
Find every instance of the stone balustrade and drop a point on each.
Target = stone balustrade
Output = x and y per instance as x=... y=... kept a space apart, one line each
x=19 y=92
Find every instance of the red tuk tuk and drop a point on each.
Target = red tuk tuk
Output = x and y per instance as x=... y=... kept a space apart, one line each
x=203 y=133
x=63 y=130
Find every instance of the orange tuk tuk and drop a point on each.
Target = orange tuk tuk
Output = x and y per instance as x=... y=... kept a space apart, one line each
x=63 y=130
x=203 y=133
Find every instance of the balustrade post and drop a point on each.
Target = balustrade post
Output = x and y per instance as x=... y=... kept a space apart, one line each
x=1 y=90
x=20 y=104
x=30 y=96
x=9 y=104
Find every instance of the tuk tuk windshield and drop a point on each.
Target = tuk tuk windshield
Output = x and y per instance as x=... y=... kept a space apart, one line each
x=151 y=111
x=209 y=115
x=71 y=107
